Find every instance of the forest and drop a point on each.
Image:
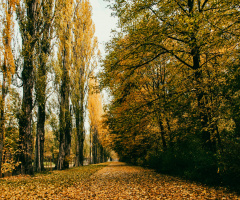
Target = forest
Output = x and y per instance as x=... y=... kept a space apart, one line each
x=172 y=71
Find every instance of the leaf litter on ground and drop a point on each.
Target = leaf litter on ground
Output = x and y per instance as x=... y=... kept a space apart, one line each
x=113 y=180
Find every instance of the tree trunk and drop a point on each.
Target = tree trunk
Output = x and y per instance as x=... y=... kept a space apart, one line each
x=163 y=135
x=94 y=146
x=81 y=136
x=25 y=121
x=90 y=153
x=208 y=145
x=65 y=118
x=80 y=131
x=77 y=161
x=41 y=98
x=101 y=154
x=2 y=121
x=203 y=115
x=65 y=139
x=40 y=137
x=68 y=137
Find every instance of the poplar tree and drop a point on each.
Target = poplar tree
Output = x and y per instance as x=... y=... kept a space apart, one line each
x=7 y=66
x=99 y=141
x=84 y=46
x=30 y=26
x=64 y=34
x=43 y=49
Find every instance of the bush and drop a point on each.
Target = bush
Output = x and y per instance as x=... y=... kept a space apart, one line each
x=229 y=164
x=186 y=159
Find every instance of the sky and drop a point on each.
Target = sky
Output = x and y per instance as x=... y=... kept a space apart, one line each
x=104 y=22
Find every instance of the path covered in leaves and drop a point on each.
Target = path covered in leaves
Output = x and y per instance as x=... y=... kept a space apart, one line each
x=114 y=181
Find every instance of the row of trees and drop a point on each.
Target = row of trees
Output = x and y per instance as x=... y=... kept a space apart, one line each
x=48 y=50
x=99 y=141
x=173 y=72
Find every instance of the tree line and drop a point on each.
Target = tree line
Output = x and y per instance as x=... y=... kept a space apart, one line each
x=48 y=53
x=173 y=73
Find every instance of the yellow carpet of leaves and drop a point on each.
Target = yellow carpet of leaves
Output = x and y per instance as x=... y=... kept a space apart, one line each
x=114 y=181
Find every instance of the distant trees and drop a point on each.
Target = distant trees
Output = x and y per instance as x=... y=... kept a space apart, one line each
x=168 y=70
x=99 y=142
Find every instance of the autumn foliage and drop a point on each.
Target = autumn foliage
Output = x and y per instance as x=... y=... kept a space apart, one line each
x=47 y=51
x=173 y=74
x=99 y=140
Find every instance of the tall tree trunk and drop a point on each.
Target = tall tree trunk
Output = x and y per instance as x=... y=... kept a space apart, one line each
x=41 y=98
x=2 y=118
x=77 y=117
x=90 y=153
x=80 y=132
x=81 y=136
x=203 y=115
x=40 y=137
x=1 y=150
x=65 y=119
x=94 y=146
x=81 y=149
x=25 y=121
x=169 y=132
x=162 y=134
x=68 y=136
x=101 y=154
x=208 y=145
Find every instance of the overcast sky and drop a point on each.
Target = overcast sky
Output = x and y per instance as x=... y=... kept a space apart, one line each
x=103 y=22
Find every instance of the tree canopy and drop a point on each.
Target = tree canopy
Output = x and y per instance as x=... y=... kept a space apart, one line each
x=168 y=70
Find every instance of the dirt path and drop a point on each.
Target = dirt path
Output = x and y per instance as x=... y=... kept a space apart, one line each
x=118 y=181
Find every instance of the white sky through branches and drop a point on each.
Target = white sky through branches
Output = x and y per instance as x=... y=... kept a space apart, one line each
x=103 y=21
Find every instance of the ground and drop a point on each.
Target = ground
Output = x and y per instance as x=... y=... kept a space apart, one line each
x=113 y=180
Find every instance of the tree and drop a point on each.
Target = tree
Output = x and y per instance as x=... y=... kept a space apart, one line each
x=30 y=26
x=8 y=65
x=44 y=50
x=84 y=50
x=167 y=70
x=99 y=142
x=187 y=31
x=64 y=34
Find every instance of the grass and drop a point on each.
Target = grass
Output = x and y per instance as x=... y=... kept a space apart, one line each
x=50 y=185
